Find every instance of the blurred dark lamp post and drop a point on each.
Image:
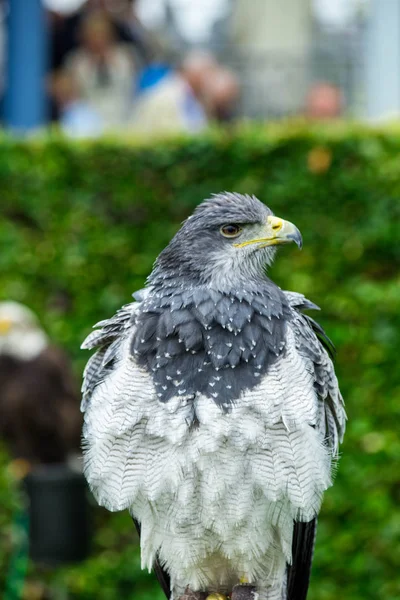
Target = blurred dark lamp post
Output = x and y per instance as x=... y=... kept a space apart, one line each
x=58 y=515
x=25 y=94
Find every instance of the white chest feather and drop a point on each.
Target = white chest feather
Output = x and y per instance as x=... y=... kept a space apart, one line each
x=217 y=500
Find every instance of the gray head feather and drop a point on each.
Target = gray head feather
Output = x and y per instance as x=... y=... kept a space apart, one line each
x=201 y=255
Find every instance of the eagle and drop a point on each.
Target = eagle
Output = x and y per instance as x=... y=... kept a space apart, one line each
x=213 y=413
x=40 y=422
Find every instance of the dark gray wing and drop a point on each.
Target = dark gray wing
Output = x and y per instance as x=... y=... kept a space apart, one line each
x=312 y=342
x=107 y=339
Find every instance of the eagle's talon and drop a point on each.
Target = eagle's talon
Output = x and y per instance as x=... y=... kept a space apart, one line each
x=243 y=592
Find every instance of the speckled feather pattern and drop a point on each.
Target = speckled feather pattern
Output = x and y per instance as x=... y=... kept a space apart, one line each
x=202 y=341
x=216 y=492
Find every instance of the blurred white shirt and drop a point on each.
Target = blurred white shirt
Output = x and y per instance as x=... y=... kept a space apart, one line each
x=168 y=107
x=107 y=88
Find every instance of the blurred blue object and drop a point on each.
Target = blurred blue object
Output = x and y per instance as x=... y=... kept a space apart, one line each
x=25 y=96
x=152 y=75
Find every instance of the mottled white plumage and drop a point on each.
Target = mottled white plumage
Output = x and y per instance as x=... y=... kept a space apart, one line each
x=217 y=501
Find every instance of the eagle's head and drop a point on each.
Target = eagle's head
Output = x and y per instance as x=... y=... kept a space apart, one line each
x=20 y=334
x=229 y=239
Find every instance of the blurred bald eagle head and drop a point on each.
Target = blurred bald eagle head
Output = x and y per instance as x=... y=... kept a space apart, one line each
x=20 y=333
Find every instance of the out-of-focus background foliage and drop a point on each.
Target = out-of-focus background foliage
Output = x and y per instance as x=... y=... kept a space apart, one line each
x=81 y=224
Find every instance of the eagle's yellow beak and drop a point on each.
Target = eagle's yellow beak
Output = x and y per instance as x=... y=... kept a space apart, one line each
x=277 y=231
x=5 y=326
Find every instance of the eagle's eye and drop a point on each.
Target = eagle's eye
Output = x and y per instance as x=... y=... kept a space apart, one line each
x=231 y=231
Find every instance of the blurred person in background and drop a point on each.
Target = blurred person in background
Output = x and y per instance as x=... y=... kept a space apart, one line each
x=65 y=27
x=104 y=70
x=76 y=117
x=216 y=87
x=40 y=420
x=221 y=93
x=198 y=68
x=170 y=99
x=185 y=98
x=130 y=29
x=324 y=102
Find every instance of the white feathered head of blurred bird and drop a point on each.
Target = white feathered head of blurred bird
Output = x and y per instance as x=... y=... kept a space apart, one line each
x=20 y=333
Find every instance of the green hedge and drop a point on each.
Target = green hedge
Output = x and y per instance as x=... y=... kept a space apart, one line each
x=82 y=223
x=11 y=537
